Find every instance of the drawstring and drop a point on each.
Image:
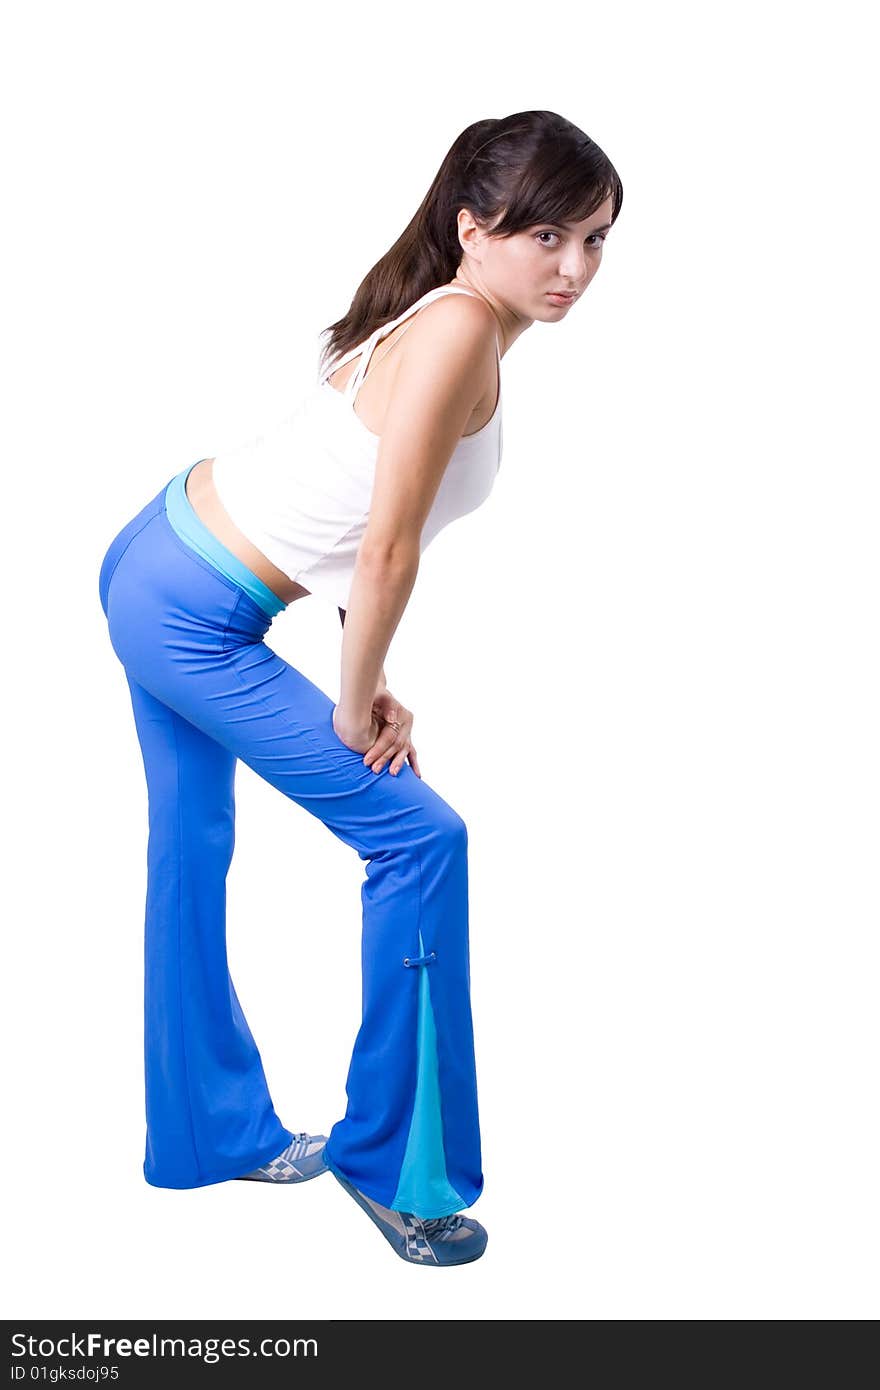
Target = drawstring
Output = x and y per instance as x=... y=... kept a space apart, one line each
x=420 y=960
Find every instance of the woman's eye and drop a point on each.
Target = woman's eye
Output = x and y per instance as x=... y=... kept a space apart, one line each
x=596 y=238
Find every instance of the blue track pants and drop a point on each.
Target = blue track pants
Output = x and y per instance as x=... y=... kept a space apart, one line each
x=206 y=691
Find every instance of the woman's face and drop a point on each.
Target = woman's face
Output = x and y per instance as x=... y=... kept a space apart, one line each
x=521 y=271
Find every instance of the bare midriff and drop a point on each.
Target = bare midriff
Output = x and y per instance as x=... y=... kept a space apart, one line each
x=206 y=504
x=372 y=401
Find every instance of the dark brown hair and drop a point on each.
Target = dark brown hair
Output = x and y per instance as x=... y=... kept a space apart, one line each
x=533 y=166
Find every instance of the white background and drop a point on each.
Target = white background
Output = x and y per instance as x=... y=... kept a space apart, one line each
x=645 y=673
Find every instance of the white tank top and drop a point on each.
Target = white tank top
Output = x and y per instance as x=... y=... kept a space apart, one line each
x=301 y=493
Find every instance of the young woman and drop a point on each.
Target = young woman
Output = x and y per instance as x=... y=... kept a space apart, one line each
x=400 y=435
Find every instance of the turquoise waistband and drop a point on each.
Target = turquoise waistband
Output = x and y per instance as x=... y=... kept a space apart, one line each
x=197 y=536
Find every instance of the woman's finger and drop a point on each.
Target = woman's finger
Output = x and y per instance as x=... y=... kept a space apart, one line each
x=384 y=747
x=397 y=762
x=400 y=758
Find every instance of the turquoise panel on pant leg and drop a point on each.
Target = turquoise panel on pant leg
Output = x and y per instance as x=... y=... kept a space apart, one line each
x=424 y=1188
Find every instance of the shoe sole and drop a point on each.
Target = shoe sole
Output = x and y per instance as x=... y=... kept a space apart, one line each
x=280 y=1182
x=380 y=1225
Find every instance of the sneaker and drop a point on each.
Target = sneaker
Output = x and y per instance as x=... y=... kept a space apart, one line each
x=440 y=1240
x=302 y=1159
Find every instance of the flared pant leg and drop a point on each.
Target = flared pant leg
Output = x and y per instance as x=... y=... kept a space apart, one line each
x=207 y=690
x=209 y=1113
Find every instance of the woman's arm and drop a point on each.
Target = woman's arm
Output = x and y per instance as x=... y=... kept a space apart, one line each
x=383 y=680
x=439 y=381
x=381 y=586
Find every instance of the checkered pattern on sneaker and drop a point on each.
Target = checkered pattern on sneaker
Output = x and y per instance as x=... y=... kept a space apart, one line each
x=302 y=1159
x=418 y=1247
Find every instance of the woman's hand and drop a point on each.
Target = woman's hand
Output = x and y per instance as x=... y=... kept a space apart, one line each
x=394 y=744
x=383 y=741
x=358 y=737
